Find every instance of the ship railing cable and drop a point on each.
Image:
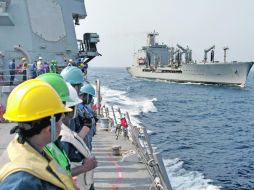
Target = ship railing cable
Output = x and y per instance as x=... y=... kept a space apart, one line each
x=152 y=160
x=146 y=156
x=140 y=139
x=6 y=77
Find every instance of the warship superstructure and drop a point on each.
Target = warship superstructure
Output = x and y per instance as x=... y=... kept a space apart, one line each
x=41 y=28
x=158 y=61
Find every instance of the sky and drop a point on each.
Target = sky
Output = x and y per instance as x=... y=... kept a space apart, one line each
x=123 y=25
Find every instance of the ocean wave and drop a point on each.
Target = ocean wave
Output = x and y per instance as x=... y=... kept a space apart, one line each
x=134 y=106
x=182 y=179
x=179 y=177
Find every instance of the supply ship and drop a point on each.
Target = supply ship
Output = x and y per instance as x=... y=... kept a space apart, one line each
x=158 y=61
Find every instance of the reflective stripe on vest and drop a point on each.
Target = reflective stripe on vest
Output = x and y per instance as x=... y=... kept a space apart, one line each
x=23 y=157
x=59 y=155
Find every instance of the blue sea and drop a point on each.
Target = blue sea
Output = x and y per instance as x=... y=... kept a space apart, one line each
x=204 y=132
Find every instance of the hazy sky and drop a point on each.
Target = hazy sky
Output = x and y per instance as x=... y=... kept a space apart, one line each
x=123 y=25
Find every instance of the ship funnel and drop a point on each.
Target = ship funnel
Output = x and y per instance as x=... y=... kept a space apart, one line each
x=171 y=55
x=151 y=38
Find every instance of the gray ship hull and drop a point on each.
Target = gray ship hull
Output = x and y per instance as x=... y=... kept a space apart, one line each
x=211 y=73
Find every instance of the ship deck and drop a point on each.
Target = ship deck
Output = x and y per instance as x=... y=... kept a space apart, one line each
x=111 y=172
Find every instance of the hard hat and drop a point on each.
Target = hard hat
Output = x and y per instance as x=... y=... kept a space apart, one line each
x=88 y=89
x=73 y=96
x=40 y=58
x=53 y=61
x=72 y=75
x=57 y=82
x=32 y=100
x=70 y=60
x=23 y=59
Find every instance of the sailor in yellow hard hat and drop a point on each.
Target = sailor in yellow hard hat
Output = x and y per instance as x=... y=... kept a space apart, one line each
x=39 y=122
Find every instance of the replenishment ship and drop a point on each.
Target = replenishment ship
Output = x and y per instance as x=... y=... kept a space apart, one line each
x=158 y=61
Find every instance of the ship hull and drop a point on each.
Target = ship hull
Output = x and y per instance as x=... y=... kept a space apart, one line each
x=211 y=73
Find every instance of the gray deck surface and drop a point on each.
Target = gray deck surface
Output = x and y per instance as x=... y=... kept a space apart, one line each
x=111 y=173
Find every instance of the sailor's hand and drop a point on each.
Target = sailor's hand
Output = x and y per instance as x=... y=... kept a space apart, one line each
x=87 y=122
x=89 y=163
x=95 y=118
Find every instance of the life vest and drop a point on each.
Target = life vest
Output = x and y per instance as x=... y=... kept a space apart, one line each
x=23 y=157
x=59 y=155
x=124 y=122
x=52 y=68
x=72 y=137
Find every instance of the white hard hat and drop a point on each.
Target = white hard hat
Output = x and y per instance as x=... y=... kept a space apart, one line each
x=40 y=58
x=73 y=96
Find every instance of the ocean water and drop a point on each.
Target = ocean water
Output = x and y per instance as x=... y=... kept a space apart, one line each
x=204 y=132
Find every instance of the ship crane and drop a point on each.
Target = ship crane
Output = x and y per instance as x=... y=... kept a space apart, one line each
x=206 y=51
x=187 y=52
x=171 y=55
x=175 y=54
x=225 y=53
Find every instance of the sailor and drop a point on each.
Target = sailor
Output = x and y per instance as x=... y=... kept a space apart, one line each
x=53 y=66
x=38 y=123
x=84 y=68
x=55 y=149
x=86 y=114
x=24 y=68
x=34 y=69
x=74 y=146
x=74 y=76
x=45 y=67
x=124 y=125
x=12 y=67
x=71 y=63
x=78 y=62
x=58 y=84
x=39 y=66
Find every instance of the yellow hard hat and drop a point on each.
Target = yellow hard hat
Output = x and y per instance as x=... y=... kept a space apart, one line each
x=23 y=59
x=32 y=100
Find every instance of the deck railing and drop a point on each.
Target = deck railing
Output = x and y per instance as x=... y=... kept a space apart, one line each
x=12 y=79
x=141 y=140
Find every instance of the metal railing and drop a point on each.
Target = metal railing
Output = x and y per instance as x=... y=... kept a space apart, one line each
x=141 y=140
x=16 y=76
x=13 y=77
